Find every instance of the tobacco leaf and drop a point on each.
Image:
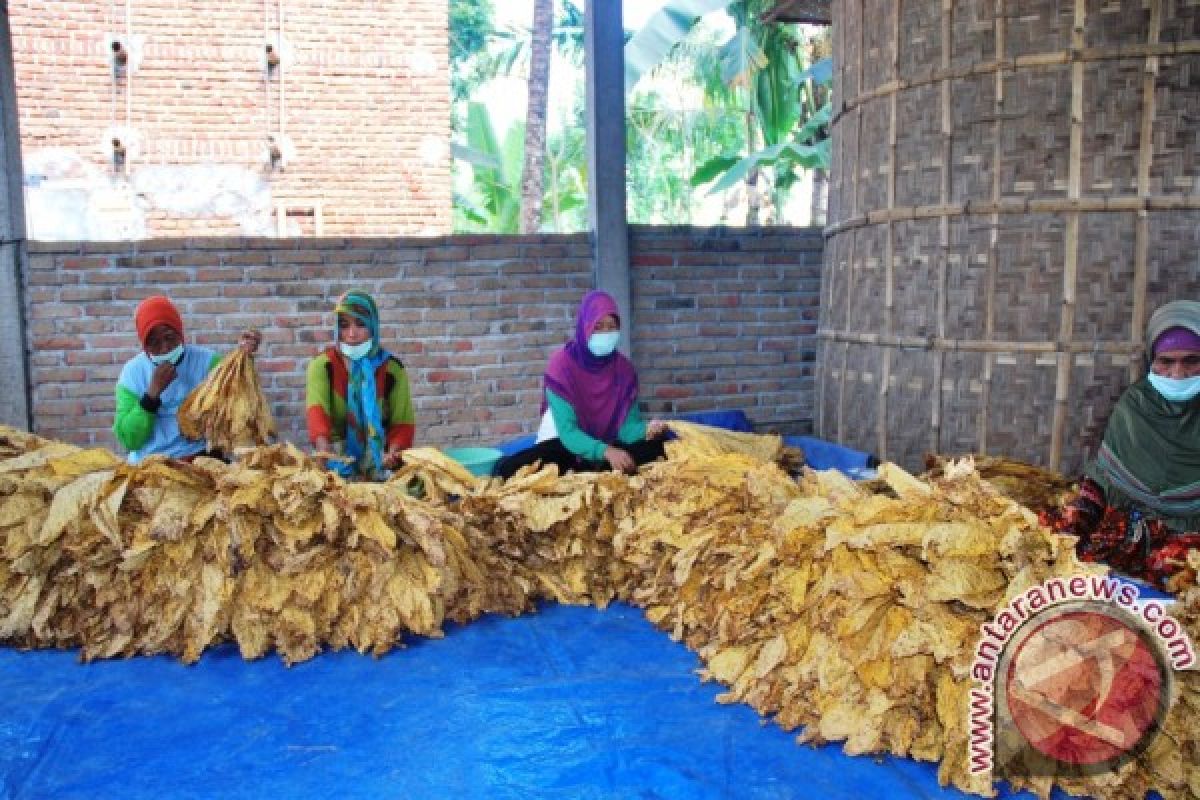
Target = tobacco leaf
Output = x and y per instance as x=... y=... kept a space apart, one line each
x=228 y=408
x=850 y=611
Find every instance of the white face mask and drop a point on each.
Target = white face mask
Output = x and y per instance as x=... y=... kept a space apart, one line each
x=172 y=357
x=602 y=344
x=355 y=351
x=1177 y=390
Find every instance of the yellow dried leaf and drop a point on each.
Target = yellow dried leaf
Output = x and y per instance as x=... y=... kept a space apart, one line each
x=703 y=440
x=82 y=462
x=228 y=409
x=371 y=525
x=770 y=656
x=16 y=508
x=70 y=503
x=903 y=484
x=729 y=664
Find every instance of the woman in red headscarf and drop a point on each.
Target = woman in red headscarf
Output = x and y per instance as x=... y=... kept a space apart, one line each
x=155 y=382
x=590 y=416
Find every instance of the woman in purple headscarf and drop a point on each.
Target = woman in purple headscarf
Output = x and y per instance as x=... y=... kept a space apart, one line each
x=1139 y=505
x=590 y=417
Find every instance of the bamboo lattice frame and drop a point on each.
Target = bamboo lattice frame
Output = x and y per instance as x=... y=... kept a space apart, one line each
x=1015 y=187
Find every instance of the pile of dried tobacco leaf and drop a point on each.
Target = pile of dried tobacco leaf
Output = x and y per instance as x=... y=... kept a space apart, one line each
x=273 y=553
x=1036 y=488
x=228 y=409
x=851 y=613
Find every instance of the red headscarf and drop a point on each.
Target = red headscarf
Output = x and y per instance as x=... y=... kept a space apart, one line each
x=156 y=310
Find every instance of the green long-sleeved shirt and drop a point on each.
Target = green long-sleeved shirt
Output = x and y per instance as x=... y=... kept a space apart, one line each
x=633 y=429
x=133 y=425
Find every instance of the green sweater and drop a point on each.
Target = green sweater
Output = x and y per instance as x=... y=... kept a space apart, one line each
x=633 y=429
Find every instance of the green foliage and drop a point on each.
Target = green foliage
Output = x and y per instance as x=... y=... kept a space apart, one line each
x=791 y=155
x=648 y=47
x=665 y=147
x=759 y=118
x=509 y=46
x=494 y=205
x=566 y=191
x=759 y=75
x=470 y=28
x=487 y=202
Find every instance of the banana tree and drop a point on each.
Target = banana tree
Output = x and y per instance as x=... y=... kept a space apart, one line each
x=493 y=203
x=758 y=73
x=801 y=142
x=663 y=31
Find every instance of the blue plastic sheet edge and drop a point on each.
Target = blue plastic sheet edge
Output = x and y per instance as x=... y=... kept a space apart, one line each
x=567 y=703
x=818 y=453
x=570 y=702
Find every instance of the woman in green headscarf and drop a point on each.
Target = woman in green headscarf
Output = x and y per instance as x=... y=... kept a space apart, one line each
x=1139 y=505
x=358 y=395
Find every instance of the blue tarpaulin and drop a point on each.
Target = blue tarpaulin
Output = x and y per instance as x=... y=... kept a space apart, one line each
x=566 y=703
x=818 y=453
x=570 y=702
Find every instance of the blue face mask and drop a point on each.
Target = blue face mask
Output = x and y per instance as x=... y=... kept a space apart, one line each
x=172 y=357
x=603 y=344
x=355 y=351
x=1177 y=390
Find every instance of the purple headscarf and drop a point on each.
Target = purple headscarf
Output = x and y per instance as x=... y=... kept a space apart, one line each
x=1178 y=338
x=600 y=390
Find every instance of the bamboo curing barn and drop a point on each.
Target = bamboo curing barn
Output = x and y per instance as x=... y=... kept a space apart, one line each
x=1013 y=192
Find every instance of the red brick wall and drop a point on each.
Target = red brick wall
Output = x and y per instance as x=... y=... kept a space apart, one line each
x=365 y=120
x=727 y=319
x=722 y=320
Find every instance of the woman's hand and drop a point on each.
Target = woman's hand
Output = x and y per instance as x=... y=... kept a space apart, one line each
x=163 y=375
x=393 y=458
x=619 y=460
x=656 y=429
x=322 y=445
x=249 y=341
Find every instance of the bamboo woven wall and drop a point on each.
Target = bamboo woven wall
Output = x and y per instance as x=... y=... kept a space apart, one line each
x=1015 y=188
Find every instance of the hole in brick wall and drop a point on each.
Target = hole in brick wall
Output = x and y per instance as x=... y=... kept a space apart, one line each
x=118 y=154
x=302 y=221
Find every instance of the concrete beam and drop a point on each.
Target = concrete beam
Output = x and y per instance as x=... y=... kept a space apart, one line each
x=14 y=398
x=605 y=53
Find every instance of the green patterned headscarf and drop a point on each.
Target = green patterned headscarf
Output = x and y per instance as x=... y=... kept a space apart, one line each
x=365 y=434
x=361 y=306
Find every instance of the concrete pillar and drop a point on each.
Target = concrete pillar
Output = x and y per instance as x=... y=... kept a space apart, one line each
x=605 y=46
x=14 y=398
